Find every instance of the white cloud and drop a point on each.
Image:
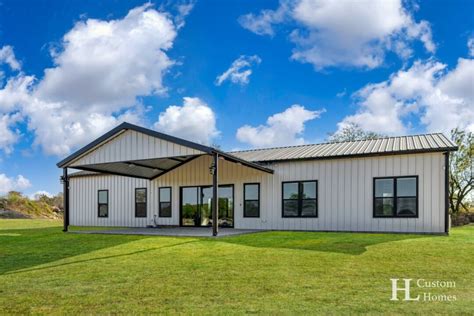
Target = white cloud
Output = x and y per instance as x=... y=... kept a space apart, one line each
x=99 y=73
x=40 y=193
x=194 y=121
x=184 y=9
x=13 y=184
x=282 y=129
x=8 y=136
x=346 y=32
x=263 y=23
x=440 y=99
x=470 y=46
x=8 y=57
x=240 y=70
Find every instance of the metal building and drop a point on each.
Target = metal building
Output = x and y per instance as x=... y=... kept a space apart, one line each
x=136 y=177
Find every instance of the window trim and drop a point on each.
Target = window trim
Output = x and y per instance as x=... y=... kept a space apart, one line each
x=258 y=200
x=99 y=204
x=396 y=197
x=300 y=200
x=170 y=202
x=146 y=202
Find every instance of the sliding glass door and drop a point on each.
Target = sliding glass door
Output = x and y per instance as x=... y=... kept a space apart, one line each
x=196 y=206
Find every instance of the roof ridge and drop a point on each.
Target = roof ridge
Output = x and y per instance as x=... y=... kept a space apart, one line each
x=336 y=142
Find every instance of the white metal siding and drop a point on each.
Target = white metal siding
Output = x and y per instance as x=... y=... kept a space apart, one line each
x=131 y=145
x=345 y=198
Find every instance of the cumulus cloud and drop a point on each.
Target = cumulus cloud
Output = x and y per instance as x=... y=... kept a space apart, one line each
x=240 y=70
x=8 y=184
x=282 y=129
x=344 y=33
x=101 y=69
x=7 y=56
x=427 y=91
x=8 y=135
x=194 y=121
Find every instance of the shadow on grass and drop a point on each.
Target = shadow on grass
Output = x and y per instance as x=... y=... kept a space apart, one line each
x=102 y=258
x=346 y=243
x=24 y=248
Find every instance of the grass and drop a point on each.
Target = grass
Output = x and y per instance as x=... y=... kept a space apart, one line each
x=45 y=271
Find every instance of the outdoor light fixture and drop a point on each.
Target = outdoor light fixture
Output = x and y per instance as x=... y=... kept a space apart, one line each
x=62 y=179
x=212 y=168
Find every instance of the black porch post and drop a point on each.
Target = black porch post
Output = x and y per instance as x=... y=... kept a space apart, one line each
x=65 y=180
x=215 y=198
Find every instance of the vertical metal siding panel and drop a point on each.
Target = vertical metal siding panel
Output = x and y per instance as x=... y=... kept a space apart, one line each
x=340 y=192
x=436 y=166
x=322 y=202
x=374 y=223
x=421 y=187
x=354 y=203
x=397 y=163
x=440 y=194
x=410 y=224
x=427 y=218
x=361 y=195
x=346 y=211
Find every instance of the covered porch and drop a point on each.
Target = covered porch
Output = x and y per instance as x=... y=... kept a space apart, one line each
x=136 y=152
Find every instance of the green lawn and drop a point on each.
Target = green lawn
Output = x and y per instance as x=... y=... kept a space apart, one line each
x=43 y=270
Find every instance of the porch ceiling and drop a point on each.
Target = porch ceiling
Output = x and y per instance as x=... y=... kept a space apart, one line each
x=144 y=169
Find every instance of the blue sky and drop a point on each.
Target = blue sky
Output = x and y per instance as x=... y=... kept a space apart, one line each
x=290 y=73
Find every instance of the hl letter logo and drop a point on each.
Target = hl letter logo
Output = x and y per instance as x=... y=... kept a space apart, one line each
x=406 y=289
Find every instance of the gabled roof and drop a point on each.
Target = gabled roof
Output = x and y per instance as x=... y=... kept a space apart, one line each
x=374 y=147
x=127 y=126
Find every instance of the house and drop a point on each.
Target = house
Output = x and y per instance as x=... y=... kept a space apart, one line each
x=136 y=177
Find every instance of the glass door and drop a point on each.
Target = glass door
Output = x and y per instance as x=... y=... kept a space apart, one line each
x=196 y=206
x=190 y=215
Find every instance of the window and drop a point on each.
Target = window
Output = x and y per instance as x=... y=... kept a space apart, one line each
x=140 y=202
x=251 y=199
x=103 y=203
x=165 y=202
x=300 y=199
x=396 y=197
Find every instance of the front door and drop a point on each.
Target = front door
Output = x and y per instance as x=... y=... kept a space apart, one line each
x=196 y=204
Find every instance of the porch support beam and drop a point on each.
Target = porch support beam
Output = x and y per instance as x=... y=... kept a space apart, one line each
x=65 y=181
x=215 y=194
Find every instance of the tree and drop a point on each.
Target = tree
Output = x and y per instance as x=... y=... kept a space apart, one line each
x=461 y=176
x=351 y=132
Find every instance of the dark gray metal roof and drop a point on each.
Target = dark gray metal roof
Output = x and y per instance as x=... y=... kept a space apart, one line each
x=374 y=147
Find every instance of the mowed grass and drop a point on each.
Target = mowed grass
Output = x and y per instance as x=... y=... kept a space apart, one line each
x=45 y=271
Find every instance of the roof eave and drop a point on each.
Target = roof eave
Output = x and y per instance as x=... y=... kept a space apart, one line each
x=389 y=153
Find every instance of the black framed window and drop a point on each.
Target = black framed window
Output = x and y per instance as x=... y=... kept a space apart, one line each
x=300 y=199
x=251 y=199
x=164 y=202
x=140 y=202
x=103 y=203
x=396 y=196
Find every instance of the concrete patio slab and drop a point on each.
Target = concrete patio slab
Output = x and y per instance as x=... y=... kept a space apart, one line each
x=170 y=231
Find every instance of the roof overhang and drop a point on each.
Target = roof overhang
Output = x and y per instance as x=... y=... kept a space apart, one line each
x=149 y=167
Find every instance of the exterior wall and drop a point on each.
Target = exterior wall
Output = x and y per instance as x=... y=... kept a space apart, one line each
x=131 y=145
x=345 y=198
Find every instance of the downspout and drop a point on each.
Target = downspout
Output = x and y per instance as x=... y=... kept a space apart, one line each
x=446 y=193
x=65 y=181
